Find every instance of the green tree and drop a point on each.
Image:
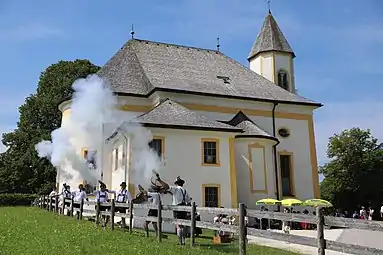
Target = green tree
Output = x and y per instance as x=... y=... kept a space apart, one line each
x=355 y=170
x=20 y=168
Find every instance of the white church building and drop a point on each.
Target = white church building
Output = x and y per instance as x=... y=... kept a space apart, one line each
x=234 y=133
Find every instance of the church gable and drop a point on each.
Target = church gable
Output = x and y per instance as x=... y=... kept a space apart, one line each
x=250 y=129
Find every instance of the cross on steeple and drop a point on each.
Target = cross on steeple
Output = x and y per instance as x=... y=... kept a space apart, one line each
x=268 y=4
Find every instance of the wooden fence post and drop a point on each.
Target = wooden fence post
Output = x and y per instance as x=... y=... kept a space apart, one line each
x=81 y=208
x=50 y=203
x=112 y=209
x=56 y=203
x=98 y=212
x=192 y=225
x=130 y=217
x=320 y=231
x=45 y=202
x=63 y=207
x=242 y=230
x=40 y=201
x=43 y=205
x=159 y=222
x=71 y=207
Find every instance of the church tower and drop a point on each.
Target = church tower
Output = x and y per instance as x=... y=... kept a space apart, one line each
x=272 y=57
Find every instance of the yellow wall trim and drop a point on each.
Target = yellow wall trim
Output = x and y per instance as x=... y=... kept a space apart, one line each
x=211 y=185
x=219 y=109
x=83 y=152
x=292 y=180
x=131 y=189
x=233 y=174
x=313 y=156
x=249 y=147
x=261 y=64
x=291 y=74
x=252 y=112
x=214 y=140
x=273 y=68
x=135 y=108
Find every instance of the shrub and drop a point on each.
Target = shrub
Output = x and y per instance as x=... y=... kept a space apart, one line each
x=17 y=199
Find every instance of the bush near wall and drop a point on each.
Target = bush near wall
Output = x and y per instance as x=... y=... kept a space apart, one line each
x=17 y=199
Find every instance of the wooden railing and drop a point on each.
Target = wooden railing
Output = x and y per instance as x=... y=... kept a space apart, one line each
x=51 y=204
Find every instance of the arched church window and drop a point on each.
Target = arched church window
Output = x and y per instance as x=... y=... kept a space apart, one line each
x=283 y=81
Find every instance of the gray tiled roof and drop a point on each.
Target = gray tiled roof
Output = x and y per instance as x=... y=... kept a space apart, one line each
x=141 y=67
x=171 y=114
x=252 y=129
x=240 y=120
x=270 y=38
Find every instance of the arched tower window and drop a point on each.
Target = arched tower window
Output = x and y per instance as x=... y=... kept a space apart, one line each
x=283 y=79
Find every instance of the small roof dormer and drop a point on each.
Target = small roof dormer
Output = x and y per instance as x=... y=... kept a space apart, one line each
x=270 y=38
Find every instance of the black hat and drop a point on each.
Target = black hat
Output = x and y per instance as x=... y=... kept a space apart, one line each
x=179 y=181
x=123 y=184
x=102 y=185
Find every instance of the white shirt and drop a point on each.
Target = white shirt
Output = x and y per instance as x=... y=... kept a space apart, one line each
x=79 y=195
x=179 y=195
x=66 y=193
x=154 y=198
x=102 y=195
x=122 y=196
x=381 y=209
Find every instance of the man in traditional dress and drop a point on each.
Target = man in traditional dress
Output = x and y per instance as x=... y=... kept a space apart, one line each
x=181 y=198
x=65 y=195
x=154 y=198
x=122 y=196
x=103 y=197
x=78 y=197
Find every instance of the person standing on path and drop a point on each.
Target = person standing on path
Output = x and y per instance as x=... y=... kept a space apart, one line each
x=180 y=198
x=154 y=198
x=78 y=197
x=122 y=196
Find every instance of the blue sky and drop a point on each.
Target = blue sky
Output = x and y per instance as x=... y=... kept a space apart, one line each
x=338 y=45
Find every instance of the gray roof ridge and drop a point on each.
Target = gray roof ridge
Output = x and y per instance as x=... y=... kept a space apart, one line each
x=175 y=45
x=155 y=107
x=142 y=70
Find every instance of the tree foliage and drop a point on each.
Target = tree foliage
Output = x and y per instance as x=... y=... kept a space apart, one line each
x=21 y=171
x=354 y=173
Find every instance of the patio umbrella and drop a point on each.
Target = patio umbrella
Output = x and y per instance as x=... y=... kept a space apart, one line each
x=317 y=203
x=291 y=202
x=268 y=201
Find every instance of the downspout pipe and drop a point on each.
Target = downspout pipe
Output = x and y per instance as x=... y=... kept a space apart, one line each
x=275 y=154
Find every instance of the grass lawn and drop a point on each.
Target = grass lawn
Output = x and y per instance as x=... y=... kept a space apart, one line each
x=29 y=230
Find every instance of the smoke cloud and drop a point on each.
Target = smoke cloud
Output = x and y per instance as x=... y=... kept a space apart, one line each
x=93 y=118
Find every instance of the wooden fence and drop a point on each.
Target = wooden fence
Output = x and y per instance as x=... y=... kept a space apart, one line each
x=51 y=204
